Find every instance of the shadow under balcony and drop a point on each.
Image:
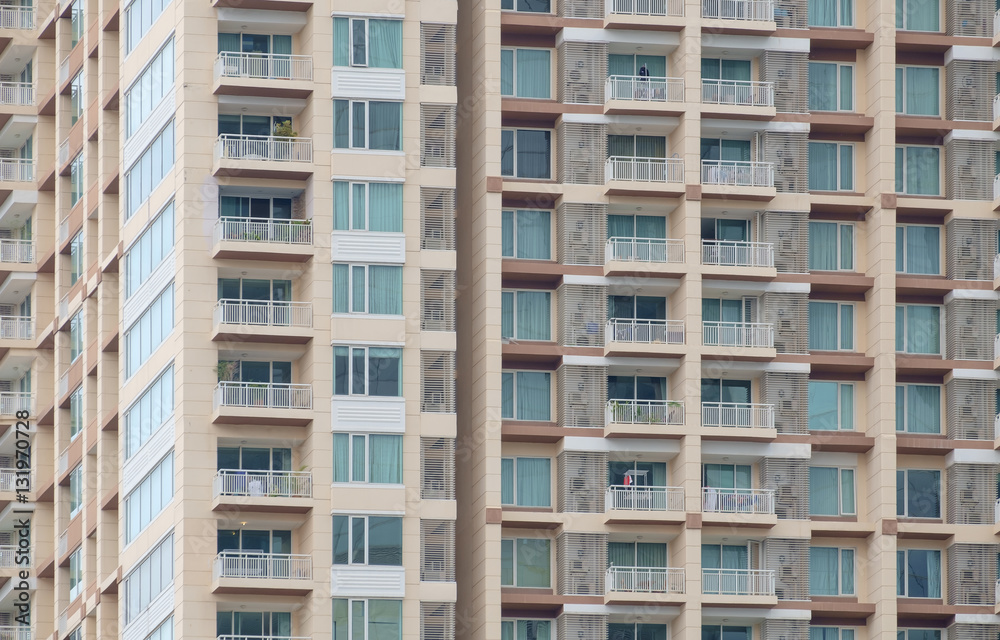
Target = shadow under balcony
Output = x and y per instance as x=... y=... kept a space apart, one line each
x=262 y=491
x=276 y=157
x=644 y=257
x=263 y=321
x=666 y=15
x=624 y=504
x=270 y=75
x=263 y=403
x=627 y=175
x=643 y=95
x=640 y=585
x=643 y=417
x=631 y=336
x=738 y=586
x=255 y=573
x=263 y=239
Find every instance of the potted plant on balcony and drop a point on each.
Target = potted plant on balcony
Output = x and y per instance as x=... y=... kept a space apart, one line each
x=283 y=134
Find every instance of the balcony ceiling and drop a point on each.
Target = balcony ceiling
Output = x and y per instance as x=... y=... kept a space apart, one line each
x=260 y=21
x=16 y=286
x=252 y=105
x=618 y=366
x=260 y=352
x=647 y=287
x=262 y=272
x=16 y=208
x=14 y=366
x=16 y=131
x=14 y=58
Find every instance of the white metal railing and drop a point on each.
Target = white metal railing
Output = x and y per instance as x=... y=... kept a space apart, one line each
x=738 y=9
x=16 y=328
x=231 y=146
x=13 y=401
x=8 y=479
x=744 y=93
x=263 y=313
x=996 y=511
x=263 y=66
x=743 y=415
x=8 y=556
x=996 y=31
x=672 y=8
x=996 y=186
x=644 y=250
x=644 y=169
x=644 y=89
x=638 y=330
x=996 y=426
x=996 y=266
x=662 y=412
x=17 y=170
x=17 y=93
x=996 y=346
x=729 y=253
x=644 y=580
x=15 y=632
x=264 y=230
x=737 y=334
x=232 y=637
x=996 y=591
x=17 y=17
x=738 y=582
x=264 y=395
x=752 y=501
x=996 y=106
x=272 y=484
x=633 y=498
x=737 y=173
x=254 y=564
x=18 y=251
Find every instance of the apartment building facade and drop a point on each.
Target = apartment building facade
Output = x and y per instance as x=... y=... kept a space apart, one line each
x=728 y=287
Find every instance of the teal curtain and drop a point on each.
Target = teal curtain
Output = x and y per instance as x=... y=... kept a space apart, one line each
x=651 y=554
x=655 y=65
x=621 y=146
x=621 y=554
x=507 y=314
x=710 y=68
x=847 y=572
x=341 y=124
x=533 y=396
x=534 y=235
x=921 y=15
x=386 y=456
x=822 y=79
x=846 y=81
x=923 y=171
x=822 y=406
x=650 y=147
x=506 y=481
x=651 y=227
x=385 y=39
x=823 y=326
x=533 y=73
x=735 y=70
x=847 y=246
x=900 y=165
x=507 y=395
x=385 y=619
x=824 y=563
x=359 y=198
x=533 y=563
x=341 y=42
x=823 y=488
x=847 y=491
x=534 y=482
x=900 y=328
x=534 y=320
x=899 y=14
x=822 y=166
x=385 y=209
x=846 y=159
x=823 y=13
x=230 y=42
x=385 y=131
x=341 y=288
x=923 y=329
x=923 y=408
x=506 y=72
x=507 y=628
x=358 y=463
x=621 y=226
x=621 y=65
x=900 y=89
x=385 y=292
x=341 y=460
x=922 y=91
x=847 y=407
x=507 y=233
x=341 y=205
x=900 y=408
x=724 y=557
x=847 y=327
x=923 y=249
x=822 y=245
x=358 y=289
x=281 y=45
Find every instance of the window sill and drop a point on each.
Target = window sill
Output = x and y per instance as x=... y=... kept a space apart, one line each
x=833 y=518
x=908 y=520
x=369 y=152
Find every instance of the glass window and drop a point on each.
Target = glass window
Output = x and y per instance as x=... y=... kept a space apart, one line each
x=373 y=289
x=153 y=574
x=636 y=631
x=831 y=406
x=831 y=491
x=831 y=633
x=76 y=97
x=368 y=540
x=831 y=246
x=918 y=634
x=149 y=331
x=149 y=497
x=831 y=326
x=726 y=632
x=268 y=624
x=526 y=234
x=526 y=482
x=367 y=124
x=527 y=6
x=76 y=413
x=918 y=574
x=76 y=180
x=526 y=315
x=75 y=336
x=831 y=166
x=526 y=153
x=154 y=82
x=526 y=630
x=525 y=562
x=368 y=371
x=918 y=249
x=918 y=91
x=526 y=395
x=918 y=493
x=75 y=258
x=918 y=329
x=75 y=490
x=368 y=206
x=526 y=73
x=918 y=171
x=831 y=84
x=367 y=619
x=368 y=42
x=831 y=13
x=75 y=573
x=147 y=173
x=260 y=208
x=637 y=146
x=139 y=16
x=918 y=408
x=149 y=412
x=368 y=458
x=918 y=15
x=831 y=571
x=146 y=253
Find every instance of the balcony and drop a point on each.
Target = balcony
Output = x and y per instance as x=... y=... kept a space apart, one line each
x=737 y=93
x=745 y=501
x=243 y=637
x=751 y=335
x=263 y=156
x=644 y=580
x=737 y=415
x=651 y=8
x=738 y=582
x=276 y=491
x=16 y=328
x=8 y=559
x=634 y=498
x=644 y=89
x=13 y=401
x=8 y=480
x=646 y=332
x=737 y=173
x=14 y=251
x=18 y=94
x=17 y=170
x=263 y=321
x=263 y=74
x=17 y=17
x=267 y=403
x=655 y=250
x=741 y=10
x=625 y=175
x=263 y=239
x=644 y=412
x=15 y=632
x=729 y=253
x=278 y=573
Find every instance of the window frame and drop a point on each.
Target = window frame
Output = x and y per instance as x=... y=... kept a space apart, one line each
x=941 y=169
x=513 y=542
x=906 y=494
x=906 y=574
x=905 y=227
x=906 y=329
x=942 y=407
x=514 y=52
x=366 y=266
x=514 y=461
x=76 y=178
x=514 y=376
x=840 y=325
x=75 y=573
x=76 y=413
x=901 y=19
x=350 y=373
x=513 y=217
x=514 y=9
x=839 y=85
x=841 y=551
x=843 y=633
x=366 y=624
x=76 y=258
x=75 y=490
x=514 y=130
x=366 y=436
x=75 y=337
x=901 y=87
x=854 y=245
x=842 y=472
x=514 y=622
x=841 y=146
x=351 y=146
x=513 y=297
x=351 y=184
x=840 y=404
x=365 y=543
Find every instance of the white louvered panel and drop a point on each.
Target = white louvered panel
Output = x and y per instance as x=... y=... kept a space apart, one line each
x=437 y=621
x=437 y=382
x=970 y=85
x=788 y=231
x=437 y=218
x=581 y=561
x=437 y=135
x=774 y=629
x=367 y=581
x=582 y=72
x=581 y=8
x=969 y=408
x=789 y=559
x=583 y=392
x=583 y=150
x=582 y=478
x=376 y=415
x=147 y=457
x=789 y=71
x=789 y=393
x=367 y=246
x=789 y=313
x=971 y=493
x=968 y=631
x=437 y=300
x=970 y=18
x=437 y=550
x=972 y=574
x=437 y=468
x=149 y=129
x=375 y=84
x=969 y=168
x=971 y=328
x=788 y=151
x=157 y=611
x=437 y=54
x=972 y=243
x=582 y=316
x=786 y=477
x=582 y=231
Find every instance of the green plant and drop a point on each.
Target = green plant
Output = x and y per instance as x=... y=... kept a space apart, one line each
x=284 y=129
x=226 y=370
